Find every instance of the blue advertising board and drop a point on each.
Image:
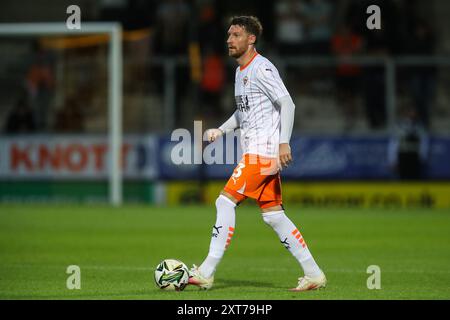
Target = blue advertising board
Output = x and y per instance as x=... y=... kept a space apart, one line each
x=315 y=158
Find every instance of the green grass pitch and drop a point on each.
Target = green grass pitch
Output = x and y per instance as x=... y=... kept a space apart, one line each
x=118 y=249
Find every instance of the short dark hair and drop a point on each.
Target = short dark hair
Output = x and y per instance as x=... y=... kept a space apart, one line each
x=251 y=24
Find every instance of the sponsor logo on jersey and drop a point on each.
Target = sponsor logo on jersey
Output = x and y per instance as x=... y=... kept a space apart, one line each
x=242 y=103
x=245 y=80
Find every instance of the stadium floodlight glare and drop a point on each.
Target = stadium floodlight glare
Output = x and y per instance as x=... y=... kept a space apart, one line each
x=114 y=30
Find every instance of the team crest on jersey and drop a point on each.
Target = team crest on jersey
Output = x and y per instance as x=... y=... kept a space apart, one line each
x=245 y=80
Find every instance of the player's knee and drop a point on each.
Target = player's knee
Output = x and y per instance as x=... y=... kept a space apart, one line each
x=272 y=218
x=272 y=205
x=224 y=202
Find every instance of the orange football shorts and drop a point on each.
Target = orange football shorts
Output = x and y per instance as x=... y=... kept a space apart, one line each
x=256 y=177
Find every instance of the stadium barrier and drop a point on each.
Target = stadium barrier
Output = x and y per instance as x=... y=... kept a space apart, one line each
x=50 y=191
x=75 y=168
x=364 y=195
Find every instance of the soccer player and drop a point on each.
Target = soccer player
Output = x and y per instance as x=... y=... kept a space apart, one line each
x=265 y=115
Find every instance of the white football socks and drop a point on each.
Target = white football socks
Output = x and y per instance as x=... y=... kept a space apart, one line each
x=222 y=233
x=293 y=240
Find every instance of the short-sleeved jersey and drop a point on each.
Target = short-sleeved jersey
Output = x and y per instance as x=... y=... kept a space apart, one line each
x=257 y=86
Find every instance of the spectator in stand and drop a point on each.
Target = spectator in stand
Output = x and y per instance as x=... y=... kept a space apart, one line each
x=212 y=84
x=171 y=39
x=409 y=148
x=290 y=26
x=346 y=44
x=39 y=82
x=20 y=119
x=210 y=30
x=172 y=27
x=318 y=16
x=213 y=67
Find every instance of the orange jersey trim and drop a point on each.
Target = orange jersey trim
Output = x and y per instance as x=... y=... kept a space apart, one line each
x=246 y=65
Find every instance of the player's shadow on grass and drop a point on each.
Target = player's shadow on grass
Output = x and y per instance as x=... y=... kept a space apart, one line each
x=243 y=283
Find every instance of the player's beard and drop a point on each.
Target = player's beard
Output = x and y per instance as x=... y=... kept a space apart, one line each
x=237 y=53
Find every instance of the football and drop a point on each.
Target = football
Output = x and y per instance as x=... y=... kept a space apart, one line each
x=171 y=274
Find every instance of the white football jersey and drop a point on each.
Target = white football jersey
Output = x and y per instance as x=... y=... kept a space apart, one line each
x=257 y=86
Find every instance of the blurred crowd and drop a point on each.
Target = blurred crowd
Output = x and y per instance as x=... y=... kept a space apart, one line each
x=197 y=30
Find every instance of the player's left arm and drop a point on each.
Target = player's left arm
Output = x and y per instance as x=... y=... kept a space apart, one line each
x=270 y=82
x=287 y=112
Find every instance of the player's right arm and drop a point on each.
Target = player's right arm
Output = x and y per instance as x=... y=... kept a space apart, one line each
x=229 y=125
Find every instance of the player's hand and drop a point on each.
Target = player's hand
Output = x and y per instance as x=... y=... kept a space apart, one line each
x=285 y=155
x=213 y=134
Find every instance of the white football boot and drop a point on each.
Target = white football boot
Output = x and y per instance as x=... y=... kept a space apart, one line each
x=196 y=279
x=307 y=283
